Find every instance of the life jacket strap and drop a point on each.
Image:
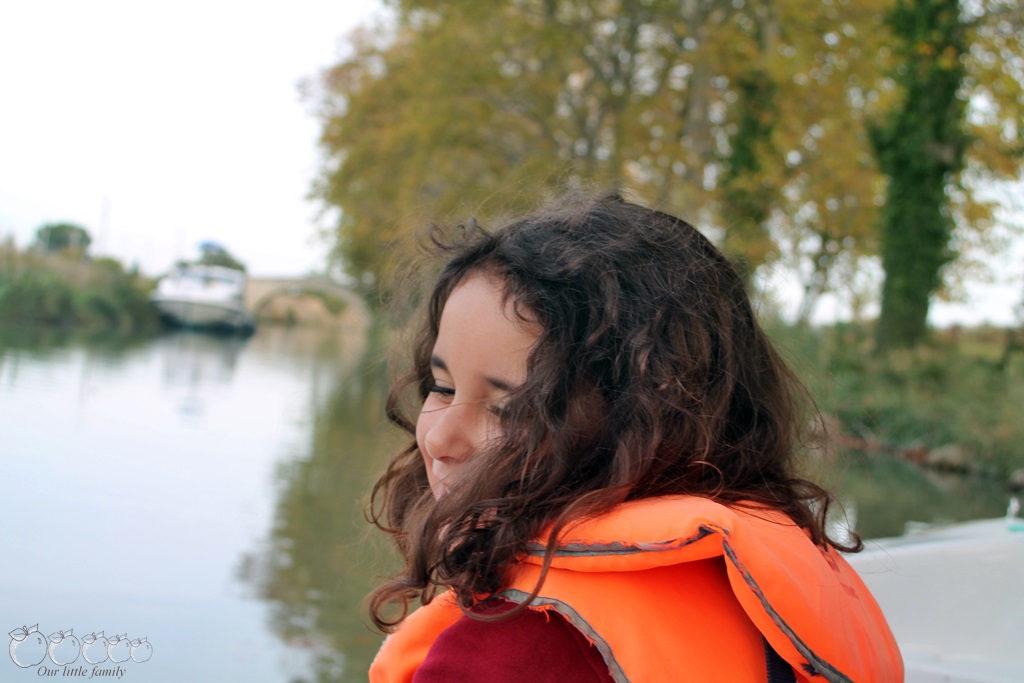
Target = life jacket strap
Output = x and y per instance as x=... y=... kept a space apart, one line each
x=778 y=670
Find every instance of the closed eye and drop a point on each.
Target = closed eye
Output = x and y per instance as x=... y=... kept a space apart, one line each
x=441 y=391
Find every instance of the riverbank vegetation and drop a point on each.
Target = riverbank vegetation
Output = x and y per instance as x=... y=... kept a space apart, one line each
x=951 y=405
x=65 y=288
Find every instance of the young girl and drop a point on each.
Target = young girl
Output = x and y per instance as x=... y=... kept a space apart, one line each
x=601 y=486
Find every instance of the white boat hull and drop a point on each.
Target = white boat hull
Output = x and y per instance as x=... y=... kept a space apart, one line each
x=203 y=296
x=954 y=597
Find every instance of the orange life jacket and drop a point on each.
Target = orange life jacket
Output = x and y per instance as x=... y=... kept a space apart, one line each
x=681 y=588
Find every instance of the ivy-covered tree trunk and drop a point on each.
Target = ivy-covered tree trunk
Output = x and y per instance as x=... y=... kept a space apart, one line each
x=748 y=198
x=920 y=148
x=749 y=194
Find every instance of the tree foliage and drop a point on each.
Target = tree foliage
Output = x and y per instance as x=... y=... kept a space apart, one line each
x=748 y=116
x=40 y=290
x=466 y=107
x=954 y=109
x=920 y=147
x=53 y=238
x=214 y=254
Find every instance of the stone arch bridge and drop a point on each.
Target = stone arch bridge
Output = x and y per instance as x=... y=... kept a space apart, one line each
x=259 y=292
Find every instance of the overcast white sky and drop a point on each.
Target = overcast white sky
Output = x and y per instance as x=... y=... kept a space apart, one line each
x=184 y=120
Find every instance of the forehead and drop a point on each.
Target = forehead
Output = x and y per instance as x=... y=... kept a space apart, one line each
x=479 y=324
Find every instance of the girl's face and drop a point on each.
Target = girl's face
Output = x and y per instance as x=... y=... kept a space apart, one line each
x=479 y=356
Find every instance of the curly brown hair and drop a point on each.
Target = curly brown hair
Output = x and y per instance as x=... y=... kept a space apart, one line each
x=651 y=377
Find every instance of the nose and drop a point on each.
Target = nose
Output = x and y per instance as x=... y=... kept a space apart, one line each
x=451 y=434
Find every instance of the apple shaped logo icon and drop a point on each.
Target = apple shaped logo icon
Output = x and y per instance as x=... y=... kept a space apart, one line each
x=119 y=649
x=64 y=648
x=141 y=650
x=94 y=648
x=28 y=646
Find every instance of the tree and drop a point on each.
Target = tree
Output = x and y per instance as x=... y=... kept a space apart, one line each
x=747 y=199
x=53 y=238
x=817 y=166
x=920 y=147
x=475 y=107
x=721 y=109
x=955 y=111
x=214 y=254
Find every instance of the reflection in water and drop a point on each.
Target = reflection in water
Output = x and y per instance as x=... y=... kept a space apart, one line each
x=321 y=558
x=262 y=476
x=193 y=361
x=125 y=514
x=885 y=494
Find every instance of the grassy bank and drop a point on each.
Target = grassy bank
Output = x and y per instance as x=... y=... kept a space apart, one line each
x=952 y=404
x=65 y=291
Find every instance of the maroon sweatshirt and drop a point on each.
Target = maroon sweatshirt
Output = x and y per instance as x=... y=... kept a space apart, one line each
x=533 y=646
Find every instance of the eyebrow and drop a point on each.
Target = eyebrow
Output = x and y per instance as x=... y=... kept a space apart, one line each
x=436 y=362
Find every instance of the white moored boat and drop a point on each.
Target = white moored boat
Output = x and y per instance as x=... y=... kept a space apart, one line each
x=196 y=295
x=954 y=597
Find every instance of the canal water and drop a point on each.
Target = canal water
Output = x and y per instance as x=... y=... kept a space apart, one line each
x=193 y=505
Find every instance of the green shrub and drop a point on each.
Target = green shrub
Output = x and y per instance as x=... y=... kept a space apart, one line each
x=45 y=290
x=952 y=391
